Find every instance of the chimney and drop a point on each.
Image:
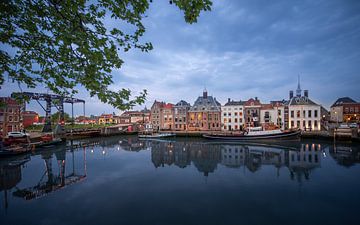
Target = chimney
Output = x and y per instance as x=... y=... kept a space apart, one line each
x=228 y=99
x=306 y=93
x=256 y=98
x=291 y=95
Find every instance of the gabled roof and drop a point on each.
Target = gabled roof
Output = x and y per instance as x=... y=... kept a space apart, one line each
x=232 y=102
x=342 y=101
x=252 y=102
x=302 y=100
x=266 y=106
x=206 y=104
x=182 y=103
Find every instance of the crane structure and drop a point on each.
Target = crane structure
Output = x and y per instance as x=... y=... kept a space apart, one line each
x=51 y=100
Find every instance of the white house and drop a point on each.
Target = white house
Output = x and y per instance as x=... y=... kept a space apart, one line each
x=303 y=112
x=232 y=115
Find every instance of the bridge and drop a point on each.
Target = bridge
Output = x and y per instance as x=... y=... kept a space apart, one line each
x=51 y=100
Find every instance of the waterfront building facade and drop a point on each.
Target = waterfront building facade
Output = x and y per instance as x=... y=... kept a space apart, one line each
x=252 y=112
x=167 y=117
x=232 y=115
x=108 y=119
x=345 y=109
x=205 y=114
x=10 y=115
x=161 y=116
x=303 y=113
x=180 y=115
x=273 y=114
x=29 y=118
x=142 y=116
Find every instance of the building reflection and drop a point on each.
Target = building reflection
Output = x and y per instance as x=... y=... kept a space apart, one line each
x=10 y=175
x=206 y=157
x=345 y=154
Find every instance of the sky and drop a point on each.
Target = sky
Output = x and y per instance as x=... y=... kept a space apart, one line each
x=241 y=49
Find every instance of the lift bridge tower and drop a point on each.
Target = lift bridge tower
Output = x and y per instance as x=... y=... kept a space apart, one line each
x=51 y=100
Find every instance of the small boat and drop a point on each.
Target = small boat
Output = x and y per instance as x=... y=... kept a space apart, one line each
x=255 y=134
x=156 y=135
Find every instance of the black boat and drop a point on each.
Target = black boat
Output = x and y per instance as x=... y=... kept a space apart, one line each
x=255 y=134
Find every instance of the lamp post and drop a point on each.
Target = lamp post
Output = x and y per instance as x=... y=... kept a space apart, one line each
x=337 y=119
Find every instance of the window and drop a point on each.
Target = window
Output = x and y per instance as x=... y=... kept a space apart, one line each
x=229 y=120
x=316 y=124
x=309 y=113
x=309 y=123
x=298 y=124
x=224 y=114
x=292 y=114
x=304 y=113
x=279 y=112
x=298 y=114
x=240 y=120
x=304 y=124
x=229 y=114
x=240 y=113
x=315 y=113
x=235 y=113
x=292 y=124
x=236 y=120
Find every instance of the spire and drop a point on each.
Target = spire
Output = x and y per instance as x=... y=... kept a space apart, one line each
x=205 y=94
x=298 y=90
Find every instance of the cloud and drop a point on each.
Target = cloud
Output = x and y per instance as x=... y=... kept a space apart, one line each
x=243 y=49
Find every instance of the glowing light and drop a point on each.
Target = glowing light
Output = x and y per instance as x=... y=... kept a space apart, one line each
x=92 y=151
x=103 y=152
x=118 y=148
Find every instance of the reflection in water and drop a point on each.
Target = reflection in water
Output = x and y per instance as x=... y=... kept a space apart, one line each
x=61 y=169
x=206 y=157
x=345 y=155
x=10 y=175
x=53 y=181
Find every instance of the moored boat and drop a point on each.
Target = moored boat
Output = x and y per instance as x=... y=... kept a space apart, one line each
x=14 y=150
x=156 y=135
x=255 y=134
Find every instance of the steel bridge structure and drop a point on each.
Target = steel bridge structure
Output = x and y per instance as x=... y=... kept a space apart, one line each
x=51 y=100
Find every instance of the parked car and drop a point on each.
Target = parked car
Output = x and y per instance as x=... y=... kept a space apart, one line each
x=17 y=134
x=344 y=125
x=353 y=125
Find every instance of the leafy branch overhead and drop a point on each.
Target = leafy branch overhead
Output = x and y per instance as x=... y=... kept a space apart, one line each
x=65 y=43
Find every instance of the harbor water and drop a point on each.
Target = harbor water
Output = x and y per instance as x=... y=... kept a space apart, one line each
x=123 y=180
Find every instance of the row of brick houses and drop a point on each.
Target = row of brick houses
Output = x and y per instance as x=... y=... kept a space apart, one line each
x=207 y=114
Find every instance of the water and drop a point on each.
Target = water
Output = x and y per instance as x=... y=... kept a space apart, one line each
x=121 y=180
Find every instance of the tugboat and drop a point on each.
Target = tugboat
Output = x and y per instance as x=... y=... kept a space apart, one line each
x=255 y=133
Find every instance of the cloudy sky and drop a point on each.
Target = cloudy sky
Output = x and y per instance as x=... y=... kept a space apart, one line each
x=243 y=49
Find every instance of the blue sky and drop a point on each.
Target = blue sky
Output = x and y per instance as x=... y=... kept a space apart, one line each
x=243 y=49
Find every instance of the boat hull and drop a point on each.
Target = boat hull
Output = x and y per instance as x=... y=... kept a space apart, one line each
x=283 y=135
x=157 y=136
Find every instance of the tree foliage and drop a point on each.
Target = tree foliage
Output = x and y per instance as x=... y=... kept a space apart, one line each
x=64 y=43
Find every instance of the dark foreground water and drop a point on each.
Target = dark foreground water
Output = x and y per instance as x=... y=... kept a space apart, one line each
x=121 y=180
